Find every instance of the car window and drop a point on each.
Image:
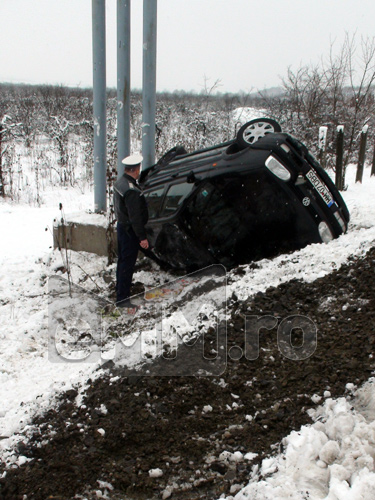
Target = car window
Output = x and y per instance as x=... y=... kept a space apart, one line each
x=174 y=197
x=153 y=199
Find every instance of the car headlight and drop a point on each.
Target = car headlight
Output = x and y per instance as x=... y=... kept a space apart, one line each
x=340 y=220
x=285 y=147
x=277 y=168
x=325 y=232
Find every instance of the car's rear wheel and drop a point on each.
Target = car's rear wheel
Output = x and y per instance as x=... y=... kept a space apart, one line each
x=254 y=130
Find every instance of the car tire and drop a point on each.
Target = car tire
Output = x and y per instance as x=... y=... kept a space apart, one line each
x=254 y=130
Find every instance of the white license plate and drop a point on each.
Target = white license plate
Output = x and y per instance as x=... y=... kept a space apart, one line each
x=320 y=187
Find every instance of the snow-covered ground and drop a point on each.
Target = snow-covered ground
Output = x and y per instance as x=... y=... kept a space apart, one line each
x=28 y=381
x=320 y=457
x=243 y=115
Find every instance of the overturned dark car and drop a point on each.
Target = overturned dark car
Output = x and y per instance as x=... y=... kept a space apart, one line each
x=254 y=197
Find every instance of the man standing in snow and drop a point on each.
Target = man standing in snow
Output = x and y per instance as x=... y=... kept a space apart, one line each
x=132 y=216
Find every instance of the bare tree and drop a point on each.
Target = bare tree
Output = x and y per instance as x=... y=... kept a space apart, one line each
x=7 y=131
x=27 y=115
x=361 y=72
x=339 y=91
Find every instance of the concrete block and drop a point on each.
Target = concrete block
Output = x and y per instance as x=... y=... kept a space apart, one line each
x=85 y=232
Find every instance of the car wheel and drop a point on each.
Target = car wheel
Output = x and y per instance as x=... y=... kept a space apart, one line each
x=254 y=130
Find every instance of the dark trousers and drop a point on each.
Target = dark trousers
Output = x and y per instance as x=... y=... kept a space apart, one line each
x=128 y=246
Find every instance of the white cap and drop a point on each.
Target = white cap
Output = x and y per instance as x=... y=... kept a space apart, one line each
x=132 y=160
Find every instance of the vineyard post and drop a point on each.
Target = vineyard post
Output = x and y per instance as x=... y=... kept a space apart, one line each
x=373 y=164
x=322 y=145
x=340 y=181
x=362 y=154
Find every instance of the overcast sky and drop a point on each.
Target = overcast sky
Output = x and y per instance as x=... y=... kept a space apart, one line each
x=246 y=44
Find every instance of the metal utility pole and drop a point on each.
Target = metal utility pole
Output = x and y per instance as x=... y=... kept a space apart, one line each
x=99 y=84
x=149 y=81
x=123 y=83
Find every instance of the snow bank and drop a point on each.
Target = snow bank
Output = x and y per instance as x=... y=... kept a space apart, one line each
x=331 y=459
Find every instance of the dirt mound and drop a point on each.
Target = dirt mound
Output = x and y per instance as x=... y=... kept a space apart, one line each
x=186 y=437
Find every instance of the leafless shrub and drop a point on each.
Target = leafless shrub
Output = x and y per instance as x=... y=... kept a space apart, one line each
x=339 y=91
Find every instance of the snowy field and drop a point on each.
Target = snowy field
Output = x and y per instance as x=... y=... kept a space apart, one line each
x=319 y=458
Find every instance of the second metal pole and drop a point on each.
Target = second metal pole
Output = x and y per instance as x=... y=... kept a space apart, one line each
x=123 y=83
x=149 y=81
x=99 y=84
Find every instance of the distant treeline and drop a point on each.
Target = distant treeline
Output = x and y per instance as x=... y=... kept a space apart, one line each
x=331 y=95
x=42 y=118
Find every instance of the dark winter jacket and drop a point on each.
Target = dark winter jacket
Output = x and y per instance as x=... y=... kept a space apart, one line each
x=130 y=205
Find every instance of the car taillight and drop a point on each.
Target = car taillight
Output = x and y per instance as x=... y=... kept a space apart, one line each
x=277 y=168
x=325 y=232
